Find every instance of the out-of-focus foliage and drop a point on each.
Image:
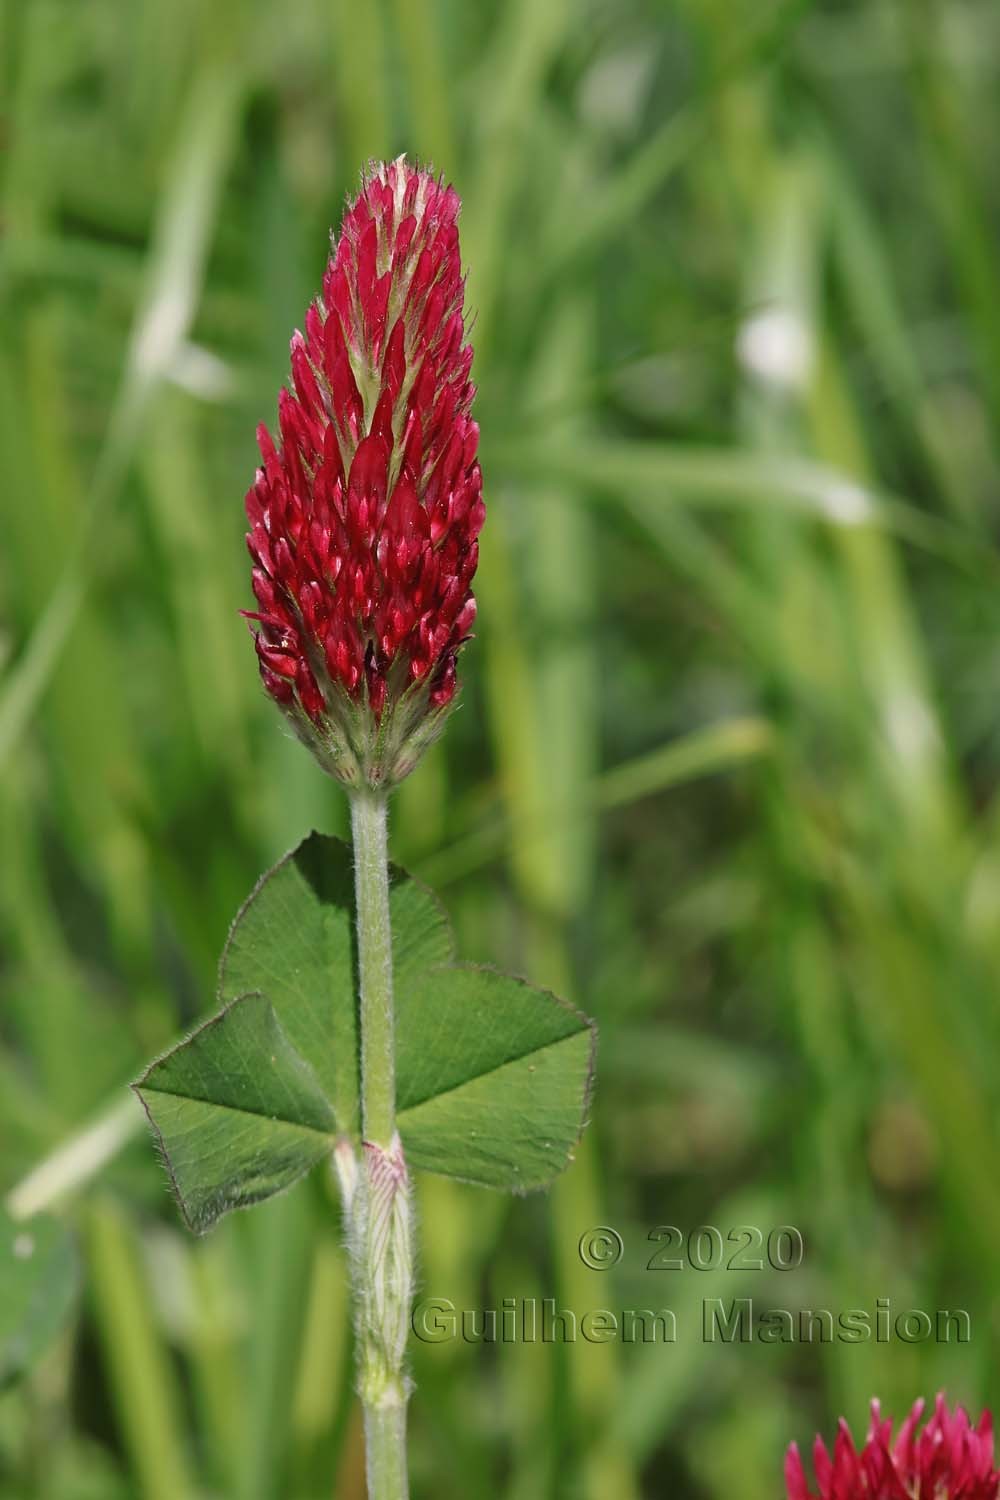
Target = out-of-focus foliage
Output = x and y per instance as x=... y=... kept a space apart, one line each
x=727 y=765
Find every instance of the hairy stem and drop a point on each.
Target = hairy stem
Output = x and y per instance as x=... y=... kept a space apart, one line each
x=378 y=1207
x=378 y=1048
x=385 y=1451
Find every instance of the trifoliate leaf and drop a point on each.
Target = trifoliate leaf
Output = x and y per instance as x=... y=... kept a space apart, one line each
x=492 y=1075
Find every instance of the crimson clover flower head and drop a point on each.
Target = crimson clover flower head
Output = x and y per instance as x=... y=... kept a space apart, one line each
x=365 y=512
x=948 y=1459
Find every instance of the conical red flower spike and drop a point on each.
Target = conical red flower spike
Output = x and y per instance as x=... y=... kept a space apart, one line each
x=364 y=514
x=948 y=1460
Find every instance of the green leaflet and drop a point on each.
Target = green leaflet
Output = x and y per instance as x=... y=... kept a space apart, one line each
x=240 y=1115
x=39 y=1276
x=492 y=1075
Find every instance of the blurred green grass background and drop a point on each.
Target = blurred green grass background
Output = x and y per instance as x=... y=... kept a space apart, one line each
x=727 y=762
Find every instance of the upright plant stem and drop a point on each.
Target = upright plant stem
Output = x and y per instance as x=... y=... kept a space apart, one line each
x=380 y=1209
x=378 y=1041
x=385 y=1452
